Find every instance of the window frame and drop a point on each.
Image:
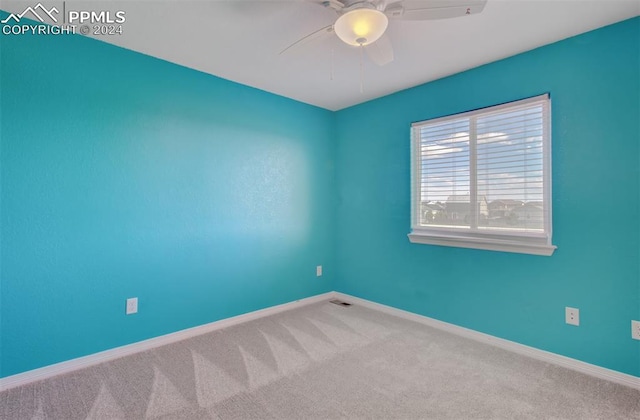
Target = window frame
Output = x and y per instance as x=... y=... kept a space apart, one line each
x=536 y=243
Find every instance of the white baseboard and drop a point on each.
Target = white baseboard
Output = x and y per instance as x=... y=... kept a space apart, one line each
x=115 y=353
x=545 y=356
x=107 y=355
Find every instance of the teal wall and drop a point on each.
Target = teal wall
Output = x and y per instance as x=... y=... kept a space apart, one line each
x=594 y=83
x=123 y=175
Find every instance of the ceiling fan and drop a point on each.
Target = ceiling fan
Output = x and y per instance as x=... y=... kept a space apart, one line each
x=362 y=23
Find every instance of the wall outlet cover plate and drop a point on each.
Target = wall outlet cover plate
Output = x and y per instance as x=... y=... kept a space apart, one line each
x=635 y=330
x=572 y=316
x=132 y=305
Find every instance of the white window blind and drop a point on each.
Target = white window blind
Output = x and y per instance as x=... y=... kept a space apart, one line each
x=482 y=179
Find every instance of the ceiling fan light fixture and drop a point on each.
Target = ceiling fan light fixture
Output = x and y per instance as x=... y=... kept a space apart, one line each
x=361 y=26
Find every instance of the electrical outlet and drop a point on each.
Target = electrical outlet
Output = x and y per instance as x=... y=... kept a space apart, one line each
x=319 y=271
x=572 y=316
x=132 y=306
x=635 y=330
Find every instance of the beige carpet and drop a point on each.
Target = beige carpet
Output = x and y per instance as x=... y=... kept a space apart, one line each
x=323 y=362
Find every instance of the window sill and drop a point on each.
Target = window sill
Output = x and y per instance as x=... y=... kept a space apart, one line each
x=489 y=244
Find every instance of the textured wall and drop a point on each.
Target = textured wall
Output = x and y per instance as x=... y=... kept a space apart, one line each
x=124 y=175
x=594 y=81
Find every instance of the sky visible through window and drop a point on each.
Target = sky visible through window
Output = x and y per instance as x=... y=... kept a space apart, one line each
x=509 y=168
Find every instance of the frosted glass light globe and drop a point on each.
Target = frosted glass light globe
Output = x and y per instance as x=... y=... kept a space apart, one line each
x=361 y=26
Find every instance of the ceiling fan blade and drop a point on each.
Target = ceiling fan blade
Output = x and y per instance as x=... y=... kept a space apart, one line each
x=314 y=36
x=381 y=51
x=434 y=9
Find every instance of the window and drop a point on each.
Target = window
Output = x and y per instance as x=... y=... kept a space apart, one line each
x=482 y=179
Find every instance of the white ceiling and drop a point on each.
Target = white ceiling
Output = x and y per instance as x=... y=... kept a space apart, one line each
x=240 y=40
